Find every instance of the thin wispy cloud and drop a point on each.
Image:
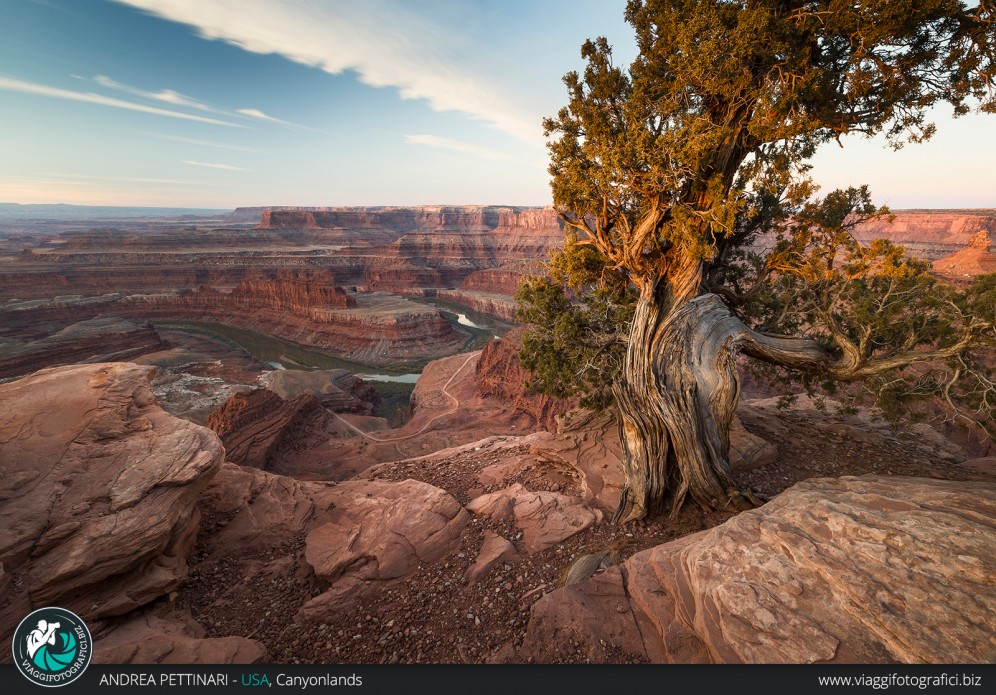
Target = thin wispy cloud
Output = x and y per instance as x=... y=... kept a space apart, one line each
x=458 y=146
x=201 y=143
x=13 y=85
x=167 y=96
x=210 y=165
x=259 y=115
x=170 y=96
x=385 y=42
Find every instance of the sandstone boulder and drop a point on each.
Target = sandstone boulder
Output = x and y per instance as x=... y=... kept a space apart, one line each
x=984 y=468
x=261 y=510
x=97 y=491
x=747 y=450
x=545 y=518
x=495 y=549
x=868 y=569
x=149 y=639
x=373 y=533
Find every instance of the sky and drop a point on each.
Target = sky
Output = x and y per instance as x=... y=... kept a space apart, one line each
x=226 y=103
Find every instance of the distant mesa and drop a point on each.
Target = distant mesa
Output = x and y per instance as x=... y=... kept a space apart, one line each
x=930 y=234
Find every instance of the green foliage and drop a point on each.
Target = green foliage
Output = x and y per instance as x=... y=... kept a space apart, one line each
x=671 y=174
x=880 y=311
x=579 y=314
x=728 y=97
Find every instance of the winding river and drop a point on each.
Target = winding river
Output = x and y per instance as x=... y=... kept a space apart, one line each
x=281 y=354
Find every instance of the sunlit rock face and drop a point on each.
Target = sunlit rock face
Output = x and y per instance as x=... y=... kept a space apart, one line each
x=975 y=259
x=98 y=491
x=856 y=569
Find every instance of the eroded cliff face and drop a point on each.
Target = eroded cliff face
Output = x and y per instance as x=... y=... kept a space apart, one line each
x=254 y=425
x=930 y=234
x=400 y=275
x=500 y=375
x=473 y=218
x=431 y=247
x=975 y=259
x=498 y=305
x=301 y=306
x=376 y=329
x=95 y=277
x=491 y=291
x=294 y=290
x=504 y=280
x=97 y=340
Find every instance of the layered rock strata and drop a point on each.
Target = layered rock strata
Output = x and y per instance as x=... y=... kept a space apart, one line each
x=930 y=234
x=96 y=340
x=98 y=494
x=34 y=278
x=852 y=570
x=254 y=425
x=977 y=258
x=375 y=329
x=500 y=375
x=497 y=305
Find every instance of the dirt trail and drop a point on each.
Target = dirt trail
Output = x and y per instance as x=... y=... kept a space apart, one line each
x=453 y=409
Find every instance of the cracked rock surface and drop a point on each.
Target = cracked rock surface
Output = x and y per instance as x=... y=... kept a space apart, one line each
x=98 y=492
x=856 y=569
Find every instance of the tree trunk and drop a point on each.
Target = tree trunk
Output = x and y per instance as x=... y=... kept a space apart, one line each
x=677 y=399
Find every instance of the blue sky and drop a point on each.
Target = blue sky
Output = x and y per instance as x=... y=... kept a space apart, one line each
x=220 y=103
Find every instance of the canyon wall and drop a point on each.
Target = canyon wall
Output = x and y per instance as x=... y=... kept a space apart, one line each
x=498 y=305
x=499 y=375
x=399 y=219
x=975 y=259
x=253 y=425
x=35 y=281
x=97 y=340
x=283 y=277
x=930 y=234
x=301 y=306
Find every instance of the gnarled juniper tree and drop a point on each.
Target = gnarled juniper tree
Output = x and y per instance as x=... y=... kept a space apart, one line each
x=694 y=234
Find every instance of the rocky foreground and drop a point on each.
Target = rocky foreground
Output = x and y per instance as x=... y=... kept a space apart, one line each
x=832 y=570
x=496 y=550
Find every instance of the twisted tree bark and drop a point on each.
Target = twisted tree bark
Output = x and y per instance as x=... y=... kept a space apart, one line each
x=677 y=401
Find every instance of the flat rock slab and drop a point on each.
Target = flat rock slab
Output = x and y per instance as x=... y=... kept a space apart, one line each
x=149 y=639
x=494 y=549
x=545 y=518
x=854 y=570
x=984 y=467
x=98 y=487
